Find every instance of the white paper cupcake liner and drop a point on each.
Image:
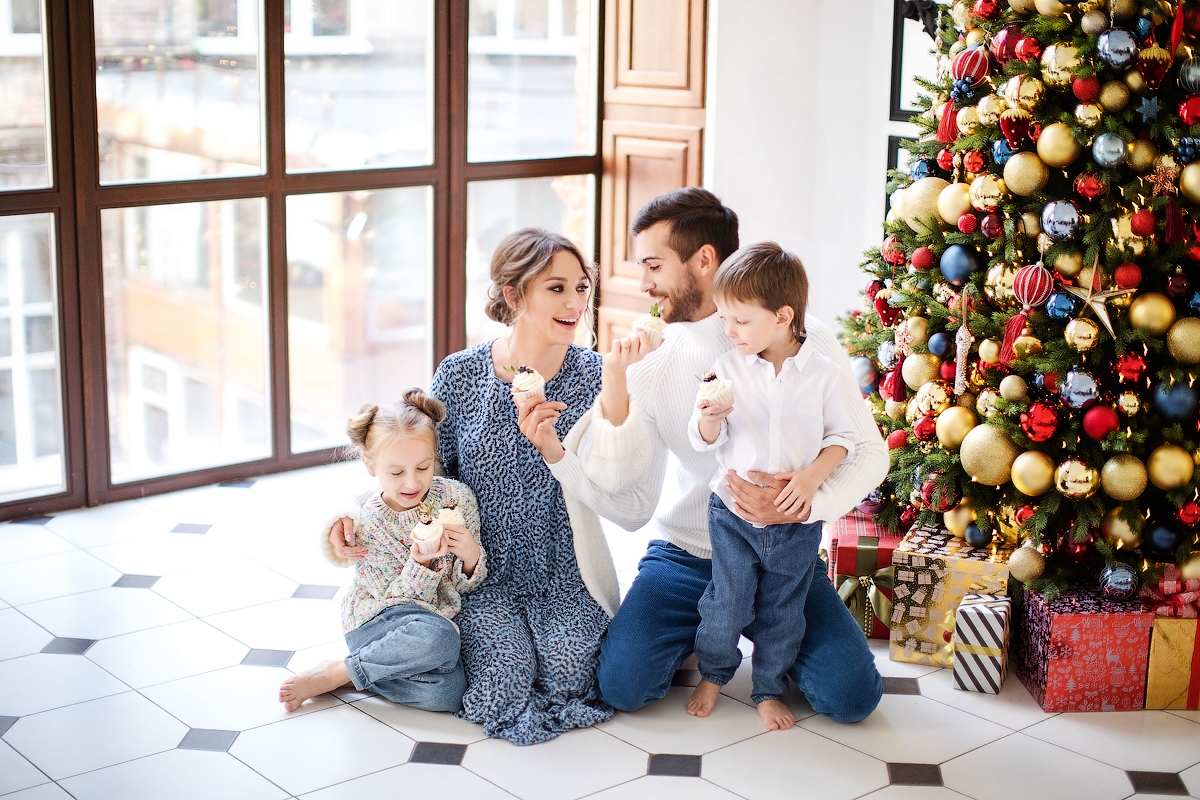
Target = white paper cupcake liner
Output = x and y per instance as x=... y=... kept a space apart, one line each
x=540 y=394
x=724 y=397
x=428 y=546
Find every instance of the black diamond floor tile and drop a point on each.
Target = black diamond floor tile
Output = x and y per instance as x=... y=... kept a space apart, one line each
x=6 y=723
x=438 y=753
x=1157 y=783
x=681 y=766
x=207 y=739
x=244 y=483
x=268 y=658
x=190 y=527
x=136 y=581
x=686 y=677
x=42 y=520
x=901 y=686
x=313 y=591
x=914 y=774
x=68 y=647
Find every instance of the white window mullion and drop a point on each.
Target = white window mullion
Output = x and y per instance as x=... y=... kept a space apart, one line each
x=22 y=419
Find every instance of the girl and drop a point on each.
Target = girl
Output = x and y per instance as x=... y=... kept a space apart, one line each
x=396 y=614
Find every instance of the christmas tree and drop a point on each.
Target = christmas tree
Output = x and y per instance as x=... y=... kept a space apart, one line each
x=1030 y=337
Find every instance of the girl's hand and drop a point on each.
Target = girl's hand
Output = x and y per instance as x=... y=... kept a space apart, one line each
x=626 y=352
x=797 y=496
x=461 y=543
x=536 y=420
x=416 y=555
x=341 y=536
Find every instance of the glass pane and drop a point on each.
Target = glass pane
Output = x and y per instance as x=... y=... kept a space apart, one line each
x=497 y=208
x=186 y=336
x=358 y=84
x=178 y=90
x=359 y=278
x=31 y=425
x=531 y=79
x=24 y=131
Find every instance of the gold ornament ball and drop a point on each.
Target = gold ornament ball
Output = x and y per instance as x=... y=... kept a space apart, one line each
x=1022 y=6
x=1124 y=10
x=1027 y=345
x=953 y=202
x=1142 y=155
x=1081 y=334
x=1013 y=387
x=1189 y=182
x=1094 y=23
x=1023 y=92
x=1134 y=80
x=966 y=400
x=1050 y=8
x=1122 y=535
x=1057 y=146
x=1033 y=473
x=1026 y=563
x=1123 y=477
x=1029 y=225
x=1057 y=62
x=1128 y=403
x=919 y=368
x=1025 y=174
x=975 y=36
x=953 y=425
x=967 y=120
x=1006 y=523
x=921 y=201
x=918 y=328
x=987 y=455
x=989 y=108
x=932 y=398
x=989 y=351
x=895 y=408
x=985 y=402
x=1170 y=467
x=1183 y=340
x=987 y=191
x=1089 y=115
x=957 y=518
x=1124 y=236
x=998 y=286
x=1152 y=313
x=1190 y=569
x=1076 y=480
x=1114 y=96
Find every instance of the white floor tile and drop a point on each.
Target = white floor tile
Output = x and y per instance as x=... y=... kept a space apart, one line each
x=20 y=636
x=779 y=764
x=1186 y=713
x=205 y=505
x=1013 y=707
x=415 y=781
x=1191 y=779
x=1150 y=741
x=422 y=726
x=104 y=612
x=311 y=656
x=47 y=791
x=1021 y=766
x=914 y=793
x=313 y=751
x=161 y=554
x=663 y=787
x=290 y=624
x=228 y=585
x=575 y=764
x=233 y=699
x=98 y=733
x=666 y=727
x=19 y=542
x=301 y=561
x=16 y=772
x=167 y=653
x=896 y=669
x=61 y=574
x=178 y=775
x=40 y=682
x=741 y=688
x=912 y=729
x=114 y=522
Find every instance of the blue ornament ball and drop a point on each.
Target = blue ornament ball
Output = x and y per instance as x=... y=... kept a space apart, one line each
x=1109 y=150
x=1118 y=582
x=1143 y=28
x=1161 y=539
x=941 y=345
x=1189 y=75
x=976 y=536
x=1060 y=220
x=1001 y=152
x=1175 y=402
x=1079 y=390
x=1062 y=306
x=864 y=371
x=1117 y=48
x=925 y=168
x=886 y=354
x=957 y=264
x=1193 y=303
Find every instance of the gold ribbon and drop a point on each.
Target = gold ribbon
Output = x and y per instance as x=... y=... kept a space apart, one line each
x=946 y=651
x=978 y=650
x=864 y=596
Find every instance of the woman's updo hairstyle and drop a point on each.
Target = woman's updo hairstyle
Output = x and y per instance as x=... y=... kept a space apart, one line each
x=518 y=259
x=373 y=427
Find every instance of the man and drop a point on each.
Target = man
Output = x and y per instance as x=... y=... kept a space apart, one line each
x=640 y=423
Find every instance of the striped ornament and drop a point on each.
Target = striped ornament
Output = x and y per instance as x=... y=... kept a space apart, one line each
x=970 y=65
x=981 y=626
x=1032 y=285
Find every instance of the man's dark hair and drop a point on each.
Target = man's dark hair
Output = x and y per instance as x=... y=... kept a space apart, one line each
x=696 y=218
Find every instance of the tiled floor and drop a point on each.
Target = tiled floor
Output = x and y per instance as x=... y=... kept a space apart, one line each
x=142 y=645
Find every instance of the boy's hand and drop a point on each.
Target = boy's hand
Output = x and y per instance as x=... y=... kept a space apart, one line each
x=461 y=543
x=797 y=496
x=341 y=536
x=416 y=555
x=712 y=411
x=536 y=420
x=626 y=352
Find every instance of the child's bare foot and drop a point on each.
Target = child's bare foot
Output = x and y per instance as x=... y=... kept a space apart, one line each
x=776 y=715
x=703 y=698
x=324 y=677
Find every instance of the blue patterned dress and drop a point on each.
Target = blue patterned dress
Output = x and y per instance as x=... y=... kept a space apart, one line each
x=530 y=633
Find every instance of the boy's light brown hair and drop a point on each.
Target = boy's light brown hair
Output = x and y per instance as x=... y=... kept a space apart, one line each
x=769 y=276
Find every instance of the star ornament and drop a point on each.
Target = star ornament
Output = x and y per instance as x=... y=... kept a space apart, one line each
x=1149 y=109
x=1163 y=178
x=1098 y=302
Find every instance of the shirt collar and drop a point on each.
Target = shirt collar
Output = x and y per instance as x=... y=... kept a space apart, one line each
x=797 y=361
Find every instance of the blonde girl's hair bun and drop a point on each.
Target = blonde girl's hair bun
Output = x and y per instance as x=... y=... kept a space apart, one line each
x=359 y=426
x=427 y=404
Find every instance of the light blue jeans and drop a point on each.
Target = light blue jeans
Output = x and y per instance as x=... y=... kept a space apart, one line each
x=408 y=655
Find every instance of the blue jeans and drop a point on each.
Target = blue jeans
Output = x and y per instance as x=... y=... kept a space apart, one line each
x=760 y=579
x=408 y=655
x=655 y=630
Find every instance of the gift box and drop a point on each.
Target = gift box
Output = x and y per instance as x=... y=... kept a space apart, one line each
x=1172 y=596
x=1173 y=676
x=934 y=570
x=981 y=626
x=1083 y=652
x=861 y=570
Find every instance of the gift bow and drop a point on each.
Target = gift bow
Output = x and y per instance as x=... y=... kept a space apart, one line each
x=1173 y=597
x=863 y=595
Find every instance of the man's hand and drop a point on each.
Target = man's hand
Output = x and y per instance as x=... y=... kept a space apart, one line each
x=341 y=536
x=755 y=502
x=461 y=543
x=536 y=420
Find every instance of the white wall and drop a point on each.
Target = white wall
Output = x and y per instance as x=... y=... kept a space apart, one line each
x=797 y=127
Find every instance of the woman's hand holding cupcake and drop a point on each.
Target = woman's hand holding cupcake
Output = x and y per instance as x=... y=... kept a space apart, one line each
x=459 y=541
x=536 y=419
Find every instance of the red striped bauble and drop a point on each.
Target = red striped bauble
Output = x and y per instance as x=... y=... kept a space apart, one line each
x=970 y=65
x=1032 y=285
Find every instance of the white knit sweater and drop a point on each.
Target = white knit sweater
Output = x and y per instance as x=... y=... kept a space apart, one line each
x=622 y=471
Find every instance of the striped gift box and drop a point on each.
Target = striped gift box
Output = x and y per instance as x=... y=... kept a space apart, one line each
x=981 y=643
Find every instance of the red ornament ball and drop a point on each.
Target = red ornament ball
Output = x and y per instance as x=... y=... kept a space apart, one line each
x=1178 y=284
x=1049 y=381
x=945 y=159
x=1089 y=186
x=1142 y=223
x=942 y=501
x=1128 y=276
x=1004 y=43
x=1189 y=110
x=1029 y=49
x=893 y=251
x=1100 y=421
x=907 y=518
x=973 y=161
x=970 y=65
x=986 y=9
x=1077 y=551
x=1086 y=89
x=1035 y=130
x=968 y=223
x=1189 y=513
x=897 y=439
x=1040 y=421
x=1032 y=285
x=923 y=258
x=1131 y=367
x=873 y=288
x=1022 y=514
x=947 y=370
x=925 y=428
x=992 y=227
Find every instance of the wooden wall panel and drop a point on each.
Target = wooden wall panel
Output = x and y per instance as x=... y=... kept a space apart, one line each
x=614 y=323
x=655 y=52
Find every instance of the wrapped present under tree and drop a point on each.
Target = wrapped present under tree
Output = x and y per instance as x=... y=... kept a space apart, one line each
x=861 y=570
x=981 y=627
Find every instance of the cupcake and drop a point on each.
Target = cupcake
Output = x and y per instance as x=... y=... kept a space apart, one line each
x=451 y=516
x=652 y=324
x=528 y=383
x=427 y=536
x=716 y=389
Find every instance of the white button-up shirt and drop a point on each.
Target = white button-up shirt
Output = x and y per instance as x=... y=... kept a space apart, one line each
x=779 y=423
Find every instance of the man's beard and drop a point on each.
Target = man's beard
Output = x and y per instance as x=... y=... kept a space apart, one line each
x=685 y=302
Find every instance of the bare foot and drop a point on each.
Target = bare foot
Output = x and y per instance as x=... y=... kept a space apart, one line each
x=776 y=715
x=703 y=698
x=324 y=677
